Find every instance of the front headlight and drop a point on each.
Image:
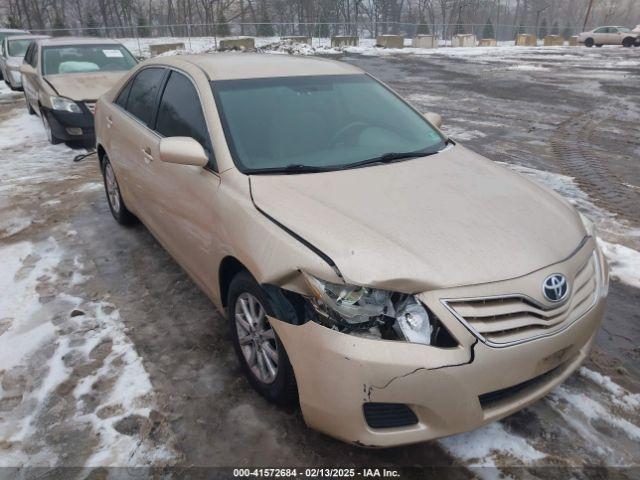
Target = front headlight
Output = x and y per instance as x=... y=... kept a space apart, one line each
x=64 y=105
x=371 y=312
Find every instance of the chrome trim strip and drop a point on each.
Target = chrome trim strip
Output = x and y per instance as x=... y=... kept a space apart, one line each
x=596 y=296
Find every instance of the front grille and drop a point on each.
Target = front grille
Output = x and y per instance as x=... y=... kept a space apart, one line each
x=91 y=106
x=515 y=318
x=491 y=398
x=388 y=415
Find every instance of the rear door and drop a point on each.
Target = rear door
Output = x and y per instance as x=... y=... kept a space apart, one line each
x=185 y=205
x=133 y=144
x=600 y=35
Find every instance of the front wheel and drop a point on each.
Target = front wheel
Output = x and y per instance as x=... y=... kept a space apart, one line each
x=262 y=356
x=627 y=42
x=599 y=45
x=118 y=209
x=47 y=129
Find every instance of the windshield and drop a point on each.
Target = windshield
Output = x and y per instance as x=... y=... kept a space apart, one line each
x=17 y=48
x=86 y=58
x=318 y=122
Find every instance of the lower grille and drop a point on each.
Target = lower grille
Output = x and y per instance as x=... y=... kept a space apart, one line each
x=491 y=398
x=388 y=415
x=515 y=318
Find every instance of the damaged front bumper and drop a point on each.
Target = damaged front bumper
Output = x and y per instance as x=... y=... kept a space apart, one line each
x=343 y=380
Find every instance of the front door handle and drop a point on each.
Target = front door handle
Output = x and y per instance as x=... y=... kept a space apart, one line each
x=109 y=122
x=146 y=153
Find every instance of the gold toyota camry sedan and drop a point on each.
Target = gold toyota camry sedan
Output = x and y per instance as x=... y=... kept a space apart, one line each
x=396 y=284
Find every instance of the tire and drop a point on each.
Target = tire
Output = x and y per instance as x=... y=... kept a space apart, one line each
x=29 y=107
x=599 y=45
x=47 y=129
x=116 y=204
x=589 y=42
x=628 y=42
x=279 y=388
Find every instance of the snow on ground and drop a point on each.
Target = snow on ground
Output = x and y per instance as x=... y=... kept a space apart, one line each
x=73 y=390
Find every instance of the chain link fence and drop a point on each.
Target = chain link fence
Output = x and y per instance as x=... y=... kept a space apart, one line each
x=320 y=32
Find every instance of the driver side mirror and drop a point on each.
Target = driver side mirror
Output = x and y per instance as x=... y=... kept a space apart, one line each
x=183 y=151
x=433 y=118
x=27 y=69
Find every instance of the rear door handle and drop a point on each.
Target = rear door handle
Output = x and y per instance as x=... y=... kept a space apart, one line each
x=146 y=153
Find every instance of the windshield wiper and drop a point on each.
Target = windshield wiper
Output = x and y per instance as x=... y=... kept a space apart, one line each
x=292 y=168
x=389 y=157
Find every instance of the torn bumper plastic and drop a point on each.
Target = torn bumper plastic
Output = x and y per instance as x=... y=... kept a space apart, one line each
x=449 y=390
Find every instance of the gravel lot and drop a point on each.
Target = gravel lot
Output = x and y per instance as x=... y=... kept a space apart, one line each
x=110 y=355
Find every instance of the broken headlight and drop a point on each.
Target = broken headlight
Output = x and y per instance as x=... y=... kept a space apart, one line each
x=370 y=312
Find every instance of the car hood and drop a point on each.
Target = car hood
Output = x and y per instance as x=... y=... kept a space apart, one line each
x=83 y=86
x=446 y=220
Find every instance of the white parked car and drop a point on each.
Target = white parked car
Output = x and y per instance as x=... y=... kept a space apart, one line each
x=612 y=35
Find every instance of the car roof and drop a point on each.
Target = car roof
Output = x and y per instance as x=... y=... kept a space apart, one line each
x=233 y=66
x=61 y=41
x=25 y=37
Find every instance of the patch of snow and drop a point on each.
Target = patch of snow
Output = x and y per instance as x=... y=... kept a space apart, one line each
x=13 y=223
x=479 y=447
x=527 y=68
x=624 y=262
x=619 y=395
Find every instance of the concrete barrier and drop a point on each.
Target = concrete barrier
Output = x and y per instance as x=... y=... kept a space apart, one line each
x=573 y=41
x=424 y=41
x=390 y=41
x=159 y=48
x=553 y=41
x=488 y=42
x=343 y=41
x=464 y=40
x=297 y=39
x=525 y=40
x=247 y=43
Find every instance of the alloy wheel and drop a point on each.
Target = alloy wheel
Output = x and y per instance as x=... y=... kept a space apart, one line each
x=256 y=337
x=113 y=193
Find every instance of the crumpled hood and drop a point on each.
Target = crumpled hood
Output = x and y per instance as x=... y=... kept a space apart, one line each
x=447 y=220
x=84 y=86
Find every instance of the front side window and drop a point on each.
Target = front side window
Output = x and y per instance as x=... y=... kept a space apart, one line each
x=602 y=30
x=86 y=58
x=319 y=122
x=144 y=92
x=180 y=112
x=18 y=48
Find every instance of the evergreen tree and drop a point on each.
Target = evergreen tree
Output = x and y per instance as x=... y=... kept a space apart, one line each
x=423 y=27
x=12 y=22
x=567 y=32
x=92 y=23
x=59 y=28
x=143 y=29
x=555 y=30
x=222 y=27
x=265 y=28
x=543 y=31
x=488 y=30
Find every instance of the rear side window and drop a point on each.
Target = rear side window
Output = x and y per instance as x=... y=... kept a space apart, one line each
x=124 y=95
x=180 y=113
x=143 y=93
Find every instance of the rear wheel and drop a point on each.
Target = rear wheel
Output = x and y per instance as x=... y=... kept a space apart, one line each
x=29 y=107
x=589 y=42
x=261 y=354
x=118 y=209
x=47 y=129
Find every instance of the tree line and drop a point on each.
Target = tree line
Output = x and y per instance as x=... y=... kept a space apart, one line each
x=485 y=18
